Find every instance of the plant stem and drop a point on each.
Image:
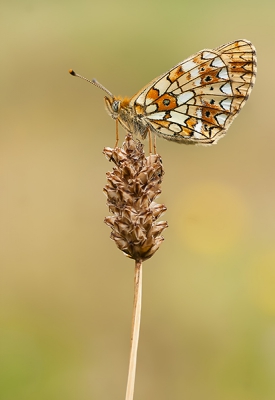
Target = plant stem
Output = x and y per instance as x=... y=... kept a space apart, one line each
x=135 y=331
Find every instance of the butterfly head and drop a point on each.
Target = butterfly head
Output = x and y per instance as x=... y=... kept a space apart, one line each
x=112 y=106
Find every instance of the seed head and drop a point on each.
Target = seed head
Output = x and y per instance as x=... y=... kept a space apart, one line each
x=131 y=190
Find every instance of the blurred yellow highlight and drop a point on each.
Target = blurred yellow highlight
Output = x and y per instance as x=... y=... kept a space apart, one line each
x=213 y=218
x=261 y=282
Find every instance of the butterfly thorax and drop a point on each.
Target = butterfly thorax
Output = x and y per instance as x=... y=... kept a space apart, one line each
x=120 y=109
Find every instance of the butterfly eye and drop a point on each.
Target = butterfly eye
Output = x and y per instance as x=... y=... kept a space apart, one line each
x=115 y=106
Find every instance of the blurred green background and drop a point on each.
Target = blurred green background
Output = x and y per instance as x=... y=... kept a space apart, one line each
x=208 y=322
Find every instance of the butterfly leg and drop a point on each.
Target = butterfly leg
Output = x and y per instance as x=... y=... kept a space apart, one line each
x=117 y=135
x=155 y=144
x=150 y=142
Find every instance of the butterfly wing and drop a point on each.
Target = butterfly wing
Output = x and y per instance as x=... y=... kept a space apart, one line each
x=196 y=101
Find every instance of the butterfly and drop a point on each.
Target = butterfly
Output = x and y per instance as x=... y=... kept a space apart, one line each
x=195 y=102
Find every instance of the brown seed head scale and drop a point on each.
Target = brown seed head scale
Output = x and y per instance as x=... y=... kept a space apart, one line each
x=132 y=186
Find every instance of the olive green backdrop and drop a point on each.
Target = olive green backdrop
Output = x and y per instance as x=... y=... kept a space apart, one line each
x=208 y=322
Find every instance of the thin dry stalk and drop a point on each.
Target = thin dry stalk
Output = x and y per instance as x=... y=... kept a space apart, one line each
x=135 y=331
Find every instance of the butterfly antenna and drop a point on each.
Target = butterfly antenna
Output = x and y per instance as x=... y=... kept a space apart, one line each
x=94 y=82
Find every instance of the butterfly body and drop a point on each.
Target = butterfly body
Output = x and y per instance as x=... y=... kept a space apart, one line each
x=196 y=101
